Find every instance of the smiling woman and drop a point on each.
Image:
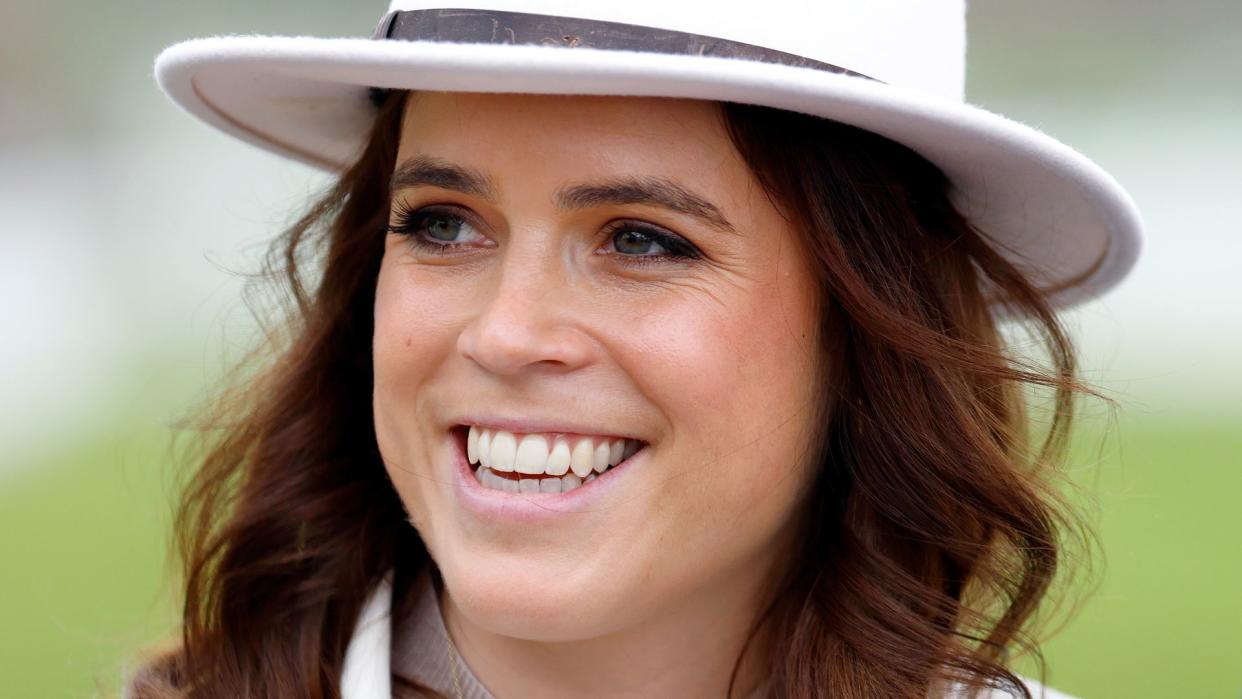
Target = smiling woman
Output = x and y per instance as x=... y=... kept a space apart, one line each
x=560 y=313
x=617 y=395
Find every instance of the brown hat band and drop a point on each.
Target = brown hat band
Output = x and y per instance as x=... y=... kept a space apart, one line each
x=470 y=26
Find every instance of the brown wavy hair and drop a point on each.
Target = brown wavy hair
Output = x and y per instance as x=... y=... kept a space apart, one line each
x=929 y=538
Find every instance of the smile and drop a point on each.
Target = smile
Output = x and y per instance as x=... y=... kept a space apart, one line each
x=542 y=463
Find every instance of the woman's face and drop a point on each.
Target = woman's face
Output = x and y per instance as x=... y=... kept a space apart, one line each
x=590 y=268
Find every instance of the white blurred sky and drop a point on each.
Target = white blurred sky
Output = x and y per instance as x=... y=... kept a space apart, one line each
x=118 y=212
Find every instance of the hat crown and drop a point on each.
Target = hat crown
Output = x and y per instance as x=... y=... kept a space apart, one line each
x=919 y=44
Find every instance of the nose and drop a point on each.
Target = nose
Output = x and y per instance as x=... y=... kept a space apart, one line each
x=525 y=320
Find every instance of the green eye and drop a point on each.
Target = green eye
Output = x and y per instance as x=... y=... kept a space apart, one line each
x=434 y=230
x=440 y=227
x=636 y=242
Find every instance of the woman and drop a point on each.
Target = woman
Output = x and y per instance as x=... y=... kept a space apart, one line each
x=662 y=361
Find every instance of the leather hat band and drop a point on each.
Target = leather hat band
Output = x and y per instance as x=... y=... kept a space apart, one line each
x=472 y=26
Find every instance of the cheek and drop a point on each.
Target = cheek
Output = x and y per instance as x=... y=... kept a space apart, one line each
x=414 y=329
x=735 y=378
x=734 y=368
x=396 y=361
x=408 y=345
x=403 y=307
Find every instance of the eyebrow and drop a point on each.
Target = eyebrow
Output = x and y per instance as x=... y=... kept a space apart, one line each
x=649 y=190
x=652 y=191
x=425 y=170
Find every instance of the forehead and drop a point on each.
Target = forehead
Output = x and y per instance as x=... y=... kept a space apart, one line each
x=583 y=134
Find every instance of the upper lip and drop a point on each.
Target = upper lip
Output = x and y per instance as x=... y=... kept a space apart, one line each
x=533 y=425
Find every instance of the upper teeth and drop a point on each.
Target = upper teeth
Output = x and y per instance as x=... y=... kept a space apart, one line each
x=501 y=450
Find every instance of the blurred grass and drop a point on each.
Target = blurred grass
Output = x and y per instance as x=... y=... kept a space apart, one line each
x=1166 y=619
x=82 y=538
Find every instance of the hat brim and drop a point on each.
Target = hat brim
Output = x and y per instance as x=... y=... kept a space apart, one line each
x=1059 y=216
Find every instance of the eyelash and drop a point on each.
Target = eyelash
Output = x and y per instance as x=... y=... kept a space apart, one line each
x=409 y=223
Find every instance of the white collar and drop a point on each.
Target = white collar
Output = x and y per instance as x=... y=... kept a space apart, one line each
x=366 y=674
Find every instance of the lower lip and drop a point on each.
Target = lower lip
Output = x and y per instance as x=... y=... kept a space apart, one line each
x=501 y=505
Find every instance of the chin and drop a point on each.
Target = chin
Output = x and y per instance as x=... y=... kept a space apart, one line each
x=520 y=599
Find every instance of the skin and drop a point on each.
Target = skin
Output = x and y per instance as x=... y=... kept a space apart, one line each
x=651 y=591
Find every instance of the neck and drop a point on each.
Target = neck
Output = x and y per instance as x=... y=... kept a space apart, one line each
x=687 y=650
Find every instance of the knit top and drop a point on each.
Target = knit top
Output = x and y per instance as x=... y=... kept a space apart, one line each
x=420 y=652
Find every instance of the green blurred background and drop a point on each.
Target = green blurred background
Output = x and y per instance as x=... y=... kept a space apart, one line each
x=125 y=224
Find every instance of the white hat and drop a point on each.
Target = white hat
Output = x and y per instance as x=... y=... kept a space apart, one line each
x=893 y=67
